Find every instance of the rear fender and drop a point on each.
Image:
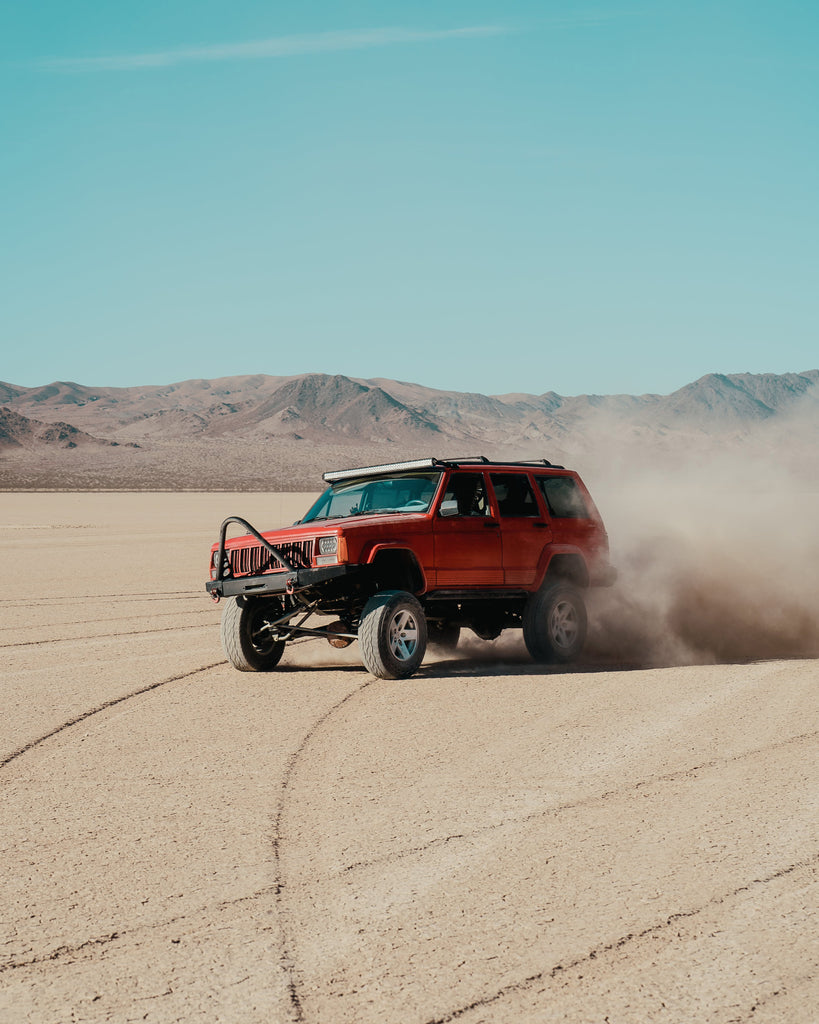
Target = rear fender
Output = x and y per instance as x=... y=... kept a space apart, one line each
x=564 y=562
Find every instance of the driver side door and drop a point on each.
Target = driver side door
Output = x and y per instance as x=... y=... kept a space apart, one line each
x=466 y=536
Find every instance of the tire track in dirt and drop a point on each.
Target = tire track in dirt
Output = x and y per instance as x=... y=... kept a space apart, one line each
x=83 y=716
x=589 y=801
x=107 y=636
x=102 y=621
x=60 y=952
x=287 y=959
x=772 y=997
x=166 y=595
x=605 y=948
x=72 y=952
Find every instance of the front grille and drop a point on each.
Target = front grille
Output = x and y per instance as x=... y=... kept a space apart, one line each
x=254 y=560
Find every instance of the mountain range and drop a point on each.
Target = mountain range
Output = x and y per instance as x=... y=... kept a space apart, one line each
x=260 y=432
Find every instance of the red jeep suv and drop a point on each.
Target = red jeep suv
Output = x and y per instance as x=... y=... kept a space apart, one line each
x=402 y=554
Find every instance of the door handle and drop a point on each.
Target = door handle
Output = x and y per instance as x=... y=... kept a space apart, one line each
x=490 y=525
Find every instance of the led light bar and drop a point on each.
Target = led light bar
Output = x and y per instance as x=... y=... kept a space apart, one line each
x=390 y=467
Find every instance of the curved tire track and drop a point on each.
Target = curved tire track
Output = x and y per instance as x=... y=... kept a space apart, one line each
x=72 y=952
x=287 y=959
x=45 y=602
x=8 y=758
x=589 y=801
x=107 y=636
x=88 y=622
x=608 y=947
x=290 y=933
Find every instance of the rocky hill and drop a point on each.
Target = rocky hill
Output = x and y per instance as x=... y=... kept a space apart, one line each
x=257 y=432
x=17 y=431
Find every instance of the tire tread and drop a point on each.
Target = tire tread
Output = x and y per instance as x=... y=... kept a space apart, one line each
x=373 y=639
x=535 y=634
x=236 y=641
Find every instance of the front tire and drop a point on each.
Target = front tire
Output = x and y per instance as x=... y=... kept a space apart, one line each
x=555 y=623
x=246 y=641
x=392 y=635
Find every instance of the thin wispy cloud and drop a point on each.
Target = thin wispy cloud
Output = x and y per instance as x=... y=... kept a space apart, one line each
x=278 y=46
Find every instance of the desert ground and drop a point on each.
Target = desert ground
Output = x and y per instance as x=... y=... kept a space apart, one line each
x=488 y=842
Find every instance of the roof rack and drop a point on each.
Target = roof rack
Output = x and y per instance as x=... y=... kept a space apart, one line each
x=418 y=464
x=482 y=460
x=469 y=458
x=535 y=462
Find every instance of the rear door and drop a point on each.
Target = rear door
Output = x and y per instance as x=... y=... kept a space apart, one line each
x=524 y=529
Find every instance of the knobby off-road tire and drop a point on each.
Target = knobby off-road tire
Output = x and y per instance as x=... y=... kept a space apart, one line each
x=392 y=635
x=247 y=645
x=555 y=623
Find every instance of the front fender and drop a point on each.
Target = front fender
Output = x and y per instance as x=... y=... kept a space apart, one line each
x=394 y=559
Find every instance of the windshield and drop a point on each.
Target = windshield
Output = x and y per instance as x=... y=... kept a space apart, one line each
x=402 y=492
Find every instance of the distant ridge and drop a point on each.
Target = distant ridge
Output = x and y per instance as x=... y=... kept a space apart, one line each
x=17 y=431
x=258 y=431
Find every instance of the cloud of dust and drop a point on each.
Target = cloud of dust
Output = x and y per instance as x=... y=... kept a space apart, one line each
x=717 y=546
x=715 y=535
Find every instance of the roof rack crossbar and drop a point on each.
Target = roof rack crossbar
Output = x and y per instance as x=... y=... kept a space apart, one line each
x=482 y=459
x=468 y=458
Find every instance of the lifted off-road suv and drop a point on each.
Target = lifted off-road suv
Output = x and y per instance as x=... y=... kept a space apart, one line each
x=402 y=554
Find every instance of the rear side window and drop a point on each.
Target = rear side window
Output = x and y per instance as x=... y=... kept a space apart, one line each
x=563 y=497
x=514 y=495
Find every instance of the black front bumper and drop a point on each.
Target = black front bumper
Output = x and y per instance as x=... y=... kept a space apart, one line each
x=277 y=582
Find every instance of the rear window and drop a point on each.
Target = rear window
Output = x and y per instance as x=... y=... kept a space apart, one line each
x=563 y=497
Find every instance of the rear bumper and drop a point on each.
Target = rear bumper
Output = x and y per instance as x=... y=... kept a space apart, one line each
x=277 y=582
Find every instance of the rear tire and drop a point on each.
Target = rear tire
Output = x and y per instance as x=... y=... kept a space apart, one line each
x=392 y=634
x=245 y=641
x=555 y=623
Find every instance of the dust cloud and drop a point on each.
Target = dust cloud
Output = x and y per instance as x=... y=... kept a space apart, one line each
x=717 y=552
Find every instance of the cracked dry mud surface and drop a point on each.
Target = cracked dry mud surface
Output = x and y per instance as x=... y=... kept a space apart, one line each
x=486 y=842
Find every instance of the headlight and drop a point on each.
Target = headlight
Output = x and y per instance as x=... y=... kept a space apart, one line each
x=214 y=558
x=328 y=545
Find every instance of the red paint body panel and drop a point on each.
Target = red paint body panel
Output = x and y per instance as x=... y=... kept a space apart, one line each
x=468 y=552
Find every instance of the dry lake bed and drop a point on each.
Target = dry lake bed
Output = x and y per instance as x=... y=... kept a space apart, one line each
x=490 y=841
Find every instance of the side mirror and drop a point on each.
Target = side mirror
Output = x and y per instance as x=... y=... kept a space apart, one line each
x=449 y=508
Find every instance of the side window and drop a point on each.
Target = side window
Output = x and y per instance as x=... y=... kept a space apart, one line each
x=514 y=494
x=469 y=490
x=563 y=497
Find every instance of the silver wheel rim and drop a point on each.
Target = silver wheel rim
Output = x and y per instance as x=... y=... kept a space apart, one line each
x=403 y=638
x=564 y=624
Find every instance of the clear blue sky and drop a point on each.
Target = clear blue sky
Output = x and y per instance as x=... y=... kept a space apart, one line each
x=484 y=196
